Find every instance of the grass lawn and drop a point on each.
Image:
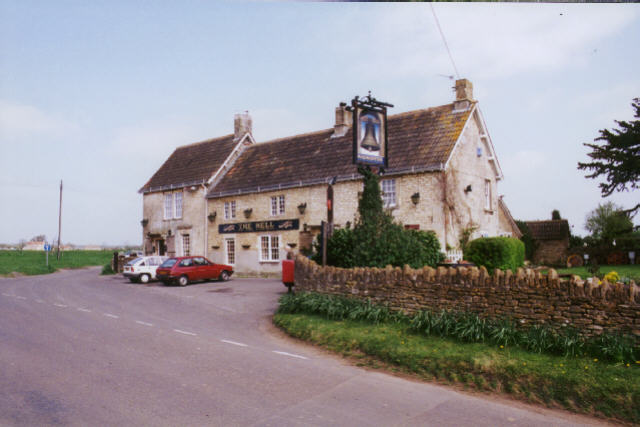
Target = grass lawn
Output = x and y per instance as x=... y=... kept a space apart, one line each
x=630 y=271
x=582 y=384
x=34 y=262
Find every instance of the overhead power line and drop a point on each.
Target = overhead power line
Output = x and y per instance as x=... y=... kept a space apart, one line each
x=445 y=41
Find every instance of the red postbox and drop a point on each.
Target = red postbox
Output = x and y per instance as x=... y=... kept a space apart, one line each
x=287 y=273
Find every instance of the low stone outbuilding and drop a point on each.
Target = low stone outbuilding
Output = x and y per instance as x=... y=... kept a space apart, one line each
x=551 y=238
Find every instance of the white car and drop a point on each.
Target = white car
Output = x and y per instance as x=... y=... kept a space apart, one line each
x=143 y=269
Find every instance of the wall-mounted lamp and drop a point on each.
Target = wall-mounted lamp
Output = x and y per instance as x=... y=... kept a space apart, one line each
x=247 y=212
x=467 y=189
x=144 y=222
x=302 y=207
x=169 y=233
x=212 y=216
x=415 y=198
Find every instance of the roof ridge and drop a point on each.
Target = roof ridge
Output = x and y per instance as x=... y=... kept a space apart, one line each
x=299 y=135
x=405 y=113
x=204 y=141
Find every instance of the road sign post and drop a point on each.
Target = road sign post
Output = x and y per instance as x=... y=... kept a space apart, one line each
x=47 y=248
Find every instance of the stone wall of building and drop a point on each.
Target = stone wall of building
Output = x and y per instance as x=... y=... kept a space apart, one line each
x=551 y=252
x=526 y=296
x=172 y=231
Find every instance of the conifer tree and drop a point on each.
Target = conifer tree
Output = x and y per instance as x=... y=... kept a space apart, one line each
x=617 y=159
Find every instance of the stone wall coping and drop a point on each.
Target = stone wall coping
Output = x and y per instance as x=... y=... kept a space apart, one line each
x=478 y=277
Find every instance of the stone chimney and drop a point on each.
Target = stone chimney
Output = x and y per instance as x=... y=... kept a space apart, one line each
x=242 y=125
x=344 y=121
x=464 y=95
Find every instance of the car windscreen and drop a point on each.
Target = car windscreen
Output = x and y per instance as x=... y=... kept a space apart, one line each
x=133 y=261
x=169 y=263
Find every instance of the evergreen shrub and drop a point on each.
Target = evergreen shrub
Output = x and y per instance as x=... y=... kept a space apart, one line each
x=504 y=253
x=376 y=240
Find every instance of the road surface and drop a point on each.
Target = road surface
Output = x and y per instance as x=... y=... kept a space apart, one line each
x=81 y=349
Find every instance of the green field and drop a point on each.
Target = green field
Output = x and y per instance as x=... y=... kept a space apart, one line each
x=34 y=262
x=630 y=271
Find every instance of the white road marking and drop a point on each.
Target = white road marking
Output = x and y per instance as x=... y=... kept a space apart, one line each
x=185 y=332
x=60 y=305
x=140 y=322
x=8 y=295
x=86 y=310
x=235 y=343
x=113 y=316
x=18 y=297
x=39 y=301
x=284 y=353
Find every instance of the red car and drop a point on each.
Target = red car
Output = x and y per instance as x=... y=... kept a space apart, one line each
x=182 y=270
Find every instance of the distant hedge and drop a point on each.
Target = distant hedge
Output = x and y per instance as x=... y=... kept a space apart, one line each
x=505 y=253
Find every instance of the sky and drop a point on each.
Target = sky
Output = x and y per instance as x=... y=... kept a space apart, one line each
x=98 y=94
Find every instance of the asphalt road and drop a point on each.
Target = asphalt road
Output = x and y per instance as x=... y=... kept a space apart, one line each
x=81 y=349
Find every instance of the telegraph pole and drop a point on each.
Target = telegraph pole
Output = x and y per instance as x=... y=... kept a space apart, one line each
x=59 y=222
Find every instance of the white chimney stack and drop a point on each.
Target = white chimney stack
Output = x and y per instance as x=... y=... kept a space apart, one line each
x=344 y=121
x=242 y=125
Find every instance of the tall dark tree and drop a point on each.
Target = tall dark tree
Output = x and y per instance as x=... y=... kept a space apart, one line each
x=617 y=159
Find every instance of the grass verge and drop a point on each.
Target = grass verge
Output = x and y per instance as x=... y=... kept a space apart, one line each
x=630 y=271
x=34 y=262
x=584 y=385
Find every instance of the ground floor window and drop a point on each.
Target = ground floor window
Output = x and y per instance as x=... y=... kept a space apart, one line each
x=269 y=248
x=186 y=245
x=230 y=245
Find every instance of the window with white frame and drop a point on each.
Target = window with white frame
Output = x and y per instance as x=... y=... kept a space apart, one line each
x=230 y=210
x=269 y=248
x=487 y=194
x=277 y=205
x=177 y=198
x=389 y=193
x=230 y=244
x=186 y=245
x=173 y=205
x=168 y=206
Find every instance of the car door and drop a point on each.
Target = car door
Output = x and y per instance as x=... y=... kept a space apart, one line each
x=186 y=267
x=202 y=268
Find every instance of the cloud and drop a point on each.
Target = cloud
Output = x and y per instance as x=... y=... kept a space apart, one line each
x=23 y=121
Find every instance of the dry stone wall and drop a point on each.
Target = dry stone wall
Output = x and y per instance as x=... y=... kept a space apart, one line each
x=526 y=296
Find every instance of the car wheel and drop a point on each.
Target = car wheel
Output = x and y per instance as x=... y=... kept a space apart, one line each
x=144 y=278
x=224 y=276
x=183 y=281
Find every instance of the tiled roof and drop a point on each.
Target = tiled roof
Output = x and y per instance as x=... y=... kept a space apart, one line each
x=421 y=139
x=549 y=230
x=507 y=213
x=191 y=164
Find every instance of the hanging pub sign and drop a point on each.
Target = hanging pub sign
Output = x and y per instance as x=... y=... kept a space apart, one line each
x=369 y=131
x=259 y=226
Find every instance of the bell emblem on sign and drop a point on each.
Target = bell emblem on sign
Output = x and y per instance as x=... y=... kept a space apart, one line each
x=370 y=126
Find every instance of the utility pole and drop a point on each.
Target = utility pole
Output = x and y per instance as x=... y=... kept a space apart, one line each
x=59 y=222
